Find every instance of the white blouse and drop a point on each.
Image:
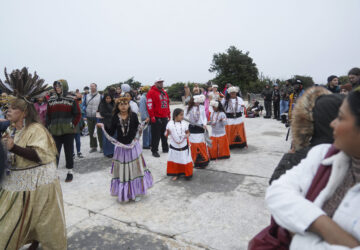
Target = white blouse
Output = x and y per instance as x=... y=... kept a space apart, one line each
x=177 y=133
x=232 y=107
x=197 y=115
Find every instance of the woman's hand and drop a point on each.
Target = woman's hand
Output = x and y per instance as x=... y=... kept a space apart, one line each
x=147 y=120
x=9 y=142
x=100 y=125
x=332 y=233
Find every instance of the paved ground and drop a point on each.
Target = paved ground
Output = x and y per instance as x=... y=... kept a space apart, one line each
x=222 y=207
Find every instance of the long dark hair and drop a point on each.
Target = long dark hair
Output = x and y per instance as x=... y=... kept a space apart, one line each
x=191 y=104
x=117 y=110
x=103 y=100
x=354 y=103
x=177 y=112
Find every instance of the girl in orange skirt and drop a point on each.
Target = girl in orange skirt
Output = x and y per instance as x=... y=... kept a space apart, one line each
x=179 y=158
x=197 y=117
x=234 y=108
x=220 y=144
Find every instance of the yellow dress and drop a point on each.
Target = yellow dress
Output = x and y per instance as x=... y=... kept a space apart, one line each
x=31 y=202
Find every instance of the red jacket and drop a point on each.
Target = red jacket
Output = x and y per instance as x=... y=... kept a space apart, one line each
x=158 y=104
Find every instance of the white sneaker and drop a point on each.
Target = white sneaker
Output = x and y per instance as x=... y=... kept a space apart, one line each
x=137 y=198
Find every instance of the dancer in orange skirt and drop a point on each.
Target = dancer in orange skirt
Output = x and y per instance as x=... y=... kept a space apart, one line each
x=179 y=158
x=196 y=115
x=220 y=144
x=234 y=108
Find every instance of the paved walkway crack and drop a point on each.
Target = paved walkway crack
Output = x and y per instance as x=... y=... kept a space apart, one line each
x=246 y=175
x=139 y=226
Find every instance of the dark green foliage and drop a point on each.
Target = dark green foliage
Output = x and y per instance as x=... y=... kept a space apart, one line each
x=176 y=90
x=343 y=79
x=234 y=67
x=133 y=84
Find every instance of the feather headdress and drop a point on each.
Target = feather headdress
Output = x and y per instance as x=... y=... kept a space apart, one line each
x=21 y=84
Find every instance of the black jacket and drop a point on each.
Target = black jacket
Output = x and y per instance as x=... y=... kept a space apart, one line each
x=288 y=161
x=116 y=127
x=276 y=95
x=267 y=94
x=106 y=111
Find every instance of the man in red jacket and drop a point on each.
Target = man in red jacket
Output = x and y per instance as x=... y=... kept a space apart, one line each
x=157 y=101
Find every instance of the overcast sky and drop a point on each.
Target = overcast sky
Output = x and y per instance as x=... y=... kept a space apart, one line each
x=109 y=41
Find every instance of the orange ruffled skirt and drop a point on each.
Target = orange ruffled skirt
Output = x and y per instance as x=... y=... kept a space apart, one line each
x=236 y=135
x=179 y=162
x=199 y=154
x=220 y=148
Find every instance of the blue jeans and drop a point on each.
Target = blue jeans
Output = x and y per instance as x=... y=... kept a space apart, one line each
x=147 y=137
x=78 y=143
x=284 y=106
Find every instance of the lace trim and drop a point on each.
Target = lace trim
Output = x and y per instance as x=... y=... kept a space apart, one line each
x=30 y=179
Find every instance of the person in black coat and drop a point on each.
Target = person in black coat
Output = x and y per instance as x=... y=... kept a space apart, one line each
x=310 y=129
x=267 y=95
x=276 y=101
x=106 y=108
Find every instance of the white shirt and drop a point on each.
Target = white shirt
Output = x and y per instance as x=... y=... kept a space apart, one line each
x=232 y=107
x=286 y=200
x=218 y=122
x=177 y=133
x=197 y=115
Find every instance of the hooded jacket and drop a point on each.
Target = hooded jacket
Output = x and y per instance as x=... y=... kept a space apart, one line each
x=308 y=133
x=158 y=103
x=63 y=112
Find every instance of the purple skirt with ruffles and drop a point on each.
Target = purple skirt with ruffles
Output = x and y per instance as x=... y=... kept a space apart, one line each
x=131 y=178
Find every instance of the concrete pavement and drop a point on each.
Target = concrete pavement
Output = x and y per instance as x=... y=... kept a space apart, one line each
x=222 y=207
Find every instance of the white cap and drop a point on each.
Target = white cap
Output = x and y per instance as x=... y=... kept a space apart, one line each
x=214 y=104
x=215 y=86
x=159 y=79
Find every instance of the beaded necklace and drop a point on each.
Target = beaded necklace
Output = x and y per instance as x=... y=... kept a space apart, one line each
x=195 y=114
x=124 y=125
x=181 y=138
x=232 y=107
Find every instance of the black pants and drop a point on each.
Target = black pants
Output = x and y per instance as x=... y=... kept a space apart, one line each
x=68 y=141
x=268 y=108
x=158 y=132
x=277 y=110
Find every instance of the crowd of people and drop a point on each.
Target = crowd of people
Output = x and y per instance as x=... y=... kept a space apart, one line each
x=280 y=102
x=319 y=175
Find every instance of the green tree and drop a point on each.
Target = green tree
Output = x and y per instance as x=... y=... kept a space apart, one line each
x=176 y=91
x=343 y=79
x=234 y=67
x=133 y=84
